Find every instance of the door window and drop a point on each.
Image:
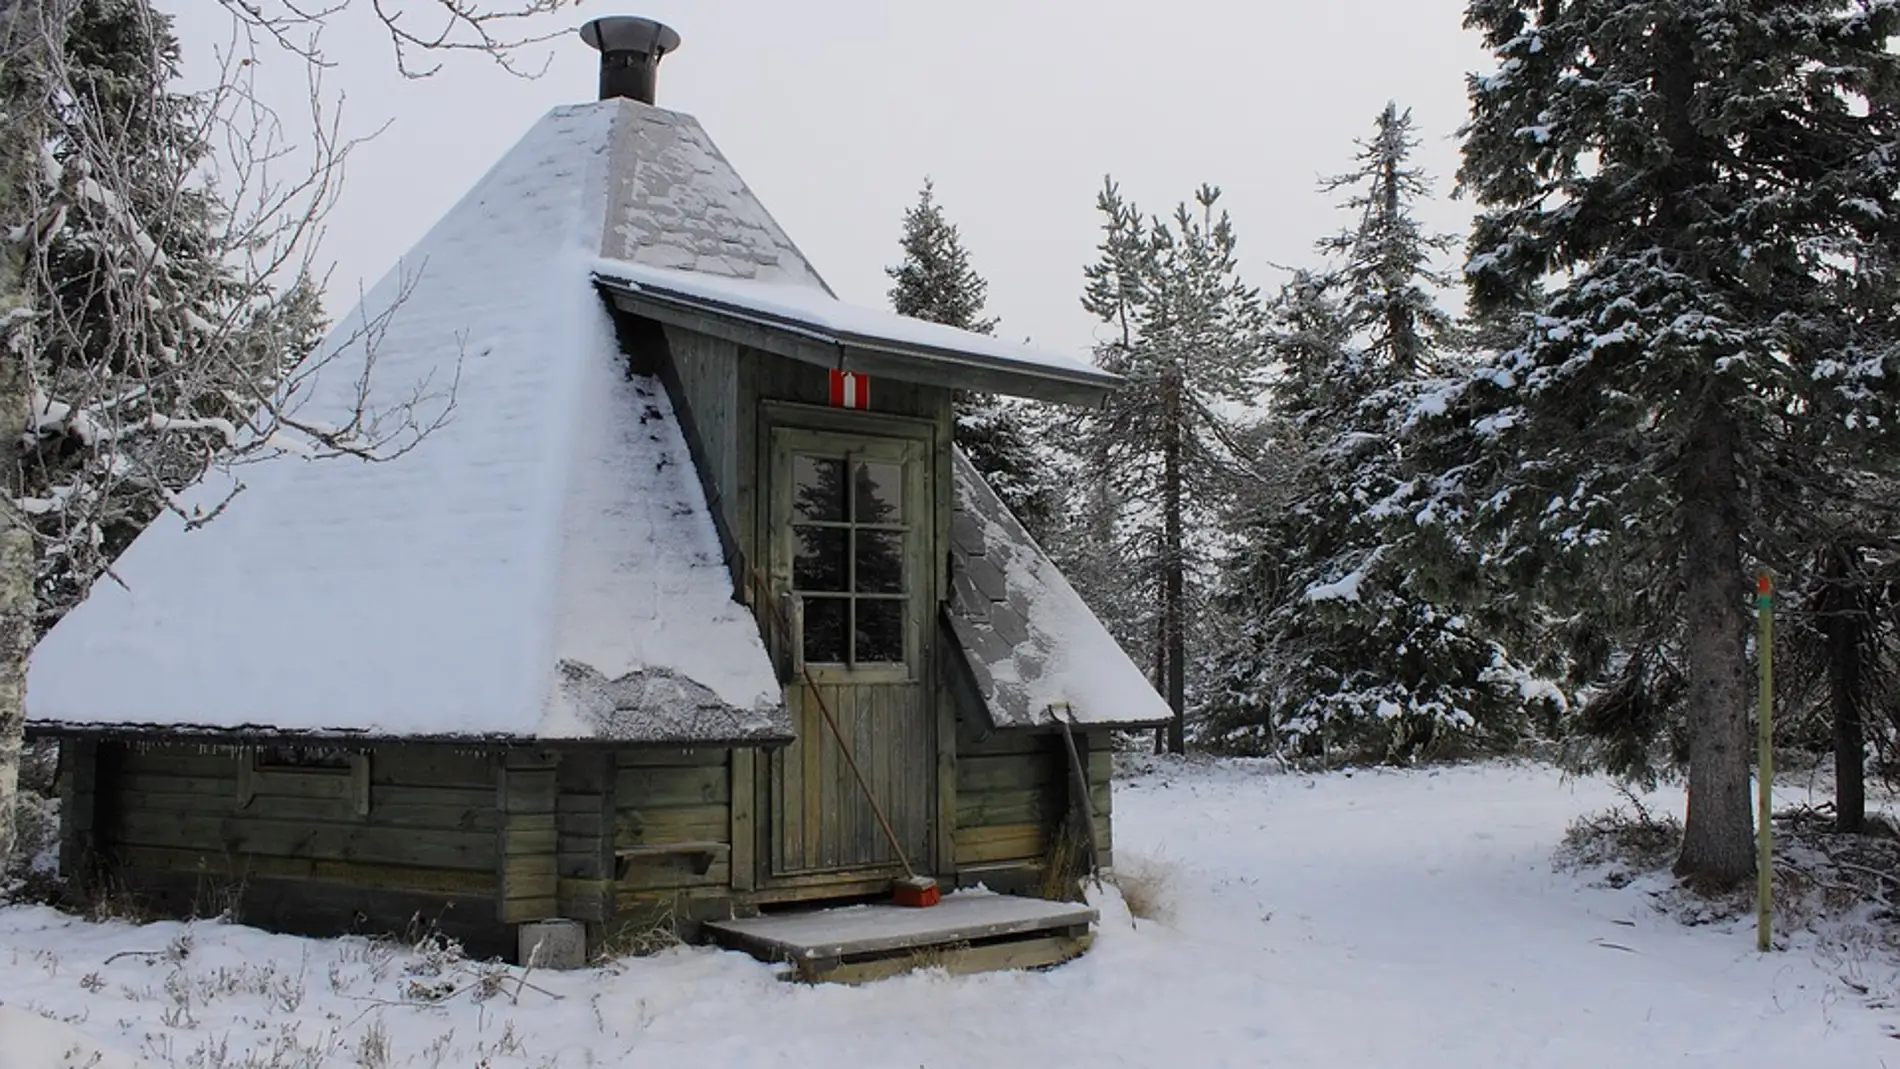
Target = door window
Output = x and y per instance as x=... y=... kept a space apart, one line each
x=849 y=535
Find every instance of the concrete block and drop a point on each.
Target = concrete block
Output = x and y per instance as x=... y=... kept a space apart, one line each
x=553 y=944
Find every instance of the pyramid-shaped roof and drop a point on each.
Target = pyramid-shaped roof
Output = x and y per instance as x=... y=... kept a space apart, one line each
x=543 y=565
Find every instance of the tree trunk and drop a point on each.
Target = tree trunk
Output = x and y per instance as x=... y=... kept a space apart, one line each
x=1161 y=675
x=1843 y=622
x=1850 y=745
x=28 y=29
x=1718 y=838
x=1174 y=569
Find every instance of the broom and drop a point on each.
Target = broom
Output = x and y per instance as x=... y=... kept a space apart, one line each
x=912 y=890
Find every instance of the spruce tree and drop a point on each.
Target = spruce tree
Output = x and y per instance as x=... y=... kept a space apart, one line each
x=934 y=281
x=1385 y=272
x=1707 y=191
x=1189 y=336
x=1349 y=656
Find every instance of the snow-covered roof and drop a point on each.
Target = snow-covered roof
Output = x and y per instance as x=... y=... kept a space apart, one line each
x=856 y=338
x=544 y=564
x=1033 y=648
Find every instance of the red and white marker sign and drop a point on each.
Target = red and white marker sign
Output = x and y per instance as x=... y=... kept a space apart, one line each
x=850 y=390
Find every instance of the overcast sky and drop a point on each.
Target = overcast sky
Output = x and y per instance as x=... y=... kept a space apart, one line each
x=835 y=110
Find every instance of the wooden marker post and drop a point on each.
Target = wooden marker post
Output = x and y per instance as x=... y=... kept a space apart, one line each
x=1765 y=770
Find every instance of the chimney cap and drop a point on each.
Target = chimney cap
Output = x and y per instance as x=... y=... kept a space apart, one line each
x=630 y=33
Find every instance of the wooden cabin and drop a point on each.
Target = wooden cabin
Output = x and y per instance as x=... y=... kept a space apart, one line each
x=688 y=610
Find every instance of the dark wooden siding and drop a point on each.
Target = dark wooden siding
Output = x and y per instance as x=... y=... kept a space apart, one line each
x=1013 y=792
x=526 y=790
x=585 y=845
x=706 y=376
x=300 y=855
x=669 y=798
x=717 y=387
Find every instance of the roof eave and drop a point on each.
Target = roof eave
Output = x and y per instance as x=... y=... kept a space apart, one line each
x=199 y=735
x=846 y=351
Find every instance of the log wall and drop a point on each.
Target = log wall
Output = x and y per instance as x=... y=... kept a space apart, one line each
x=1013 y=793
x=193 y=829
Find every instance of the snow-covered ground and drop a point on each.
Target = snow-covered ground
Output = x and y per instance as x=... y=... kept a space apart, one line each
x=1379 y=920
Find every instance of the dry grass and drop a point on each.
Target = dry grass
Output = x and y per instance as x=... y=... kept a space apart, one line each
x=1629 y=841
x=649 y=935
x=1064 y=865
x=1147 y=887
x=935 y=957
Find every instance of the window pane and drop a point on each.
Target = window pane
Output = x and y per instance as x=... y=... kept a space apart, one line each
x=880 y=631
x=819 y=559
x=818 y=489
x=825 y=630
x=880 y=493
x=880 y=562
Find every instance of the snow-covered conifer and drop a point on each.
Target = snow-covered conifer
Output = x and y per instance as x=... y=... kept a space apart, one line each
x=1190 y=338
x=183 y=351
x=935 y=281
x=1346 y=655
x=1708 y=192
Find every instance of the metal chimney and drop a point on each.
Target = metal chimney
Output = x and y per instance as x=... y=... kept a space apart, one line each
x=630 y=51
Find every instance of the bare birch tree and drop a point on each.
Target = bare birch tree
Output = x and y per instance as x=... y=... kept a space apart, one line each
x=115 y=398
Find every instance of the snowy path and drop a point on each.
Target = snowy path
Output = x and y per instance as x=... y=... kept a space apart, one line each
x=1415 y=922
x=1381 y=920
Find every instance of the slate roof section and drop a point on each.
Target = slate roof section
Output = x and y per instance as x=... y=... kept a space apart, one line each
x=678 y=205
x=1033 y=648
x=543 y=566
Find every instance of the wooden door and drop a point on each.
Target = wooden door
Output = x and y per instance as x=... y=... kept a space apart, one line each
x=851 y=533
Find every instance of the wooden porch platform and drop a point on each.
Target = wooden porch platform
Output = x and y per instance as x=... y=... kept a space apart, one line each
x=966 y=932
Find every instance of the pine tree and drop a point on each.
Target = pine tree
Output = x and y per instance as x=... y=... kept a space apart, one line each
x=934 y=281
x=1188 y=335
x=1707 y=190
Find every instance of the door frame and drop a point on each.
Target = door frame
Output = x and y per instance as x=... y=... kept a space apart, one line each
x=774 y=416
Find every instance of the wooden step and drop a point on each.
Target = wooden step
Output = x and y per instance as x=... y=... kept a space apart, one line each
x=971 y=931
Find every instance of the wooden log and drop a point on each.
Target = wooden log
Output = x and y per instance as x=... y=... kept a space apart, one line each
x=527 y=786
x=527 y=876
x=945 y=819
x=635 y=827
x=1007 y=842
x=743 y=793
x=172 y=760
x=675 y=874
x=78 y=786
x=991 y=808
x=237 y=868
x=435 y=766
x=1012 y=772
x=584 y=849
x=661 y=758
x=1040 y=953
x=255 y=833
x=404 y=812
x=525 y=910
x=674 y=786
x=970 y=743
x=326 y=909
x=530 y=790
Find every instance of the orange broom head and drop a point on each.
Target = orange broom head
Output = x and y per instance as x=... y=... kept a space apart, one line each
x=916 y=892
